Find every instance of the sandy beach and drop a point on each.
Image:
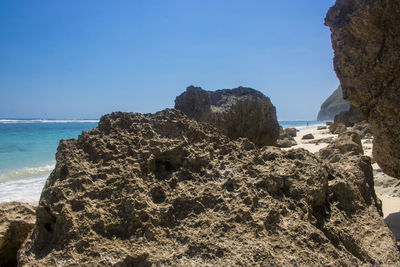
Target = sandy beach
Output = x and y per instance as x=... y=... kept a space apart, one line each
x=387 y=188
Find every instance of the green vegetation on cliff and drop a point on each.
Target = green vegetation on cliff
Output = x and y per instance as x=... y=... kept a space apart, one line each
x=333 y=105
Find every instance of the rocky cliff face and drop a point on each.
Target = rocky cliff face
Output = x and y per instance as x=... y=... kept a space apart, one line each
x=240 y=112
x=333 y=105
x=366 y=41
x=160 y=189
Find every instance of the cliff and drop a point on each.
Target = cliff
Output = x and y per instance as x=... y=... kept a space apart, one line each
x=333 y=105
x=366 y=41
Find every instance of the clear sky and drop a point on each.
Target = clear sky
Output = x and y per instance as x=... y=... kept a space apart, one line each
x=85 y=58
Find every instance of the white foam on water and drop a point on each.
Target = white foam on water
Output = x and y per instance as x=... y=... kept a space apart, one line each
x=26 y=173
x=24 y=185
x=26 y=190
x=314 y=126
x=45 y=121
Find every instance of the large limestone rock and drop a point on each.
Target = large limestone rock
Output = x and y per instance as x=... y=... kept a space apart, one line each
x=163 y=190
x=240 y=112
x=333 y=105
x=16 y=222
x=366 y=41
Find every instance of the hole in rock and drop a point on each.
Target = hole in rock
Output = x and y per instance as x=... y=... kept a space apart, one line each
x=167 y=163
x=47 y=226
x=157 y=195
x=164 y=166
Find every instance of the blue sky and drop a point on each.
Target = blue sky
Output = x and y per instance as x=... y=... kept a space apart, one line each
x=82 y=59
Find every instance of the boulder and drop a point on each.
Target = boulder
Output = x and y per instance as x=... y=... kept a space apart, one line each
x=308 y=136
x=286 y=142
x=366 y=41
x=163 y=190
x=291 y=132
x=333 y=105
x=348 y=144
x=16 y=222
x=363 y=129
x=337 y=128
x=286 y=137
x=240 y=112
x=319 y=128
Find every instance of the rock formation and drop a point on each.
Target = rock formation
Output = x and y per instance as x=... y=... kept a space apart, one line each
x=346 y=145
x=337 y=128
x=333 y=105
x=349 y=117
x=240 y=112
x=291 y=132
x=308 y=136
x=366 y=41
x=286 y=137
x=363 y=129
x=16 y=222
x=160 y=189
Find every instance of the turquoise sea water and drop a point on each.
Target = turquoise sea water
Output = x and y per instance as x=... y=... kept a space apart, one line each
x=27 y=154
x=300 y=124
x=28 y=147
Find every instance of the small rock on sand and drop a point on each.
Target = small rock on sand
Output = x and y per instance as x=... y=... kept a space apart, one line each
x=308 y=136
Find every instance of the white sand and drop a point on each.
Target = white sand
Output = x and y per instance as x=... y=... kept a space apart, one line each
x=386 y=187
x=318 y=134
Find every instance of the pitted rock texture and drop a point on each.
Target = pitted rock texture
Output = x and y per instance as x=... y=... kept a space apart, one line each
x=16 y=222
x=160 y=189
x=366 y=41
x=347 y=144
x=239 y=112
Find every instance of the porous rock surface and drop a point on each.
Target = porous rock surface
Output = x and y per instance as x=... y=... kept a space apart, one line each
x=16 y=222
x=346 y=145
x=239 y=112
x=160 y=189
x=366 y=41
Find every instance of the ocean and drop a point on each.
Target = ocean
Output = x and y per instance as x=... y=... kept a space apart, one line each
x=28 y=147
x=27 y=154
